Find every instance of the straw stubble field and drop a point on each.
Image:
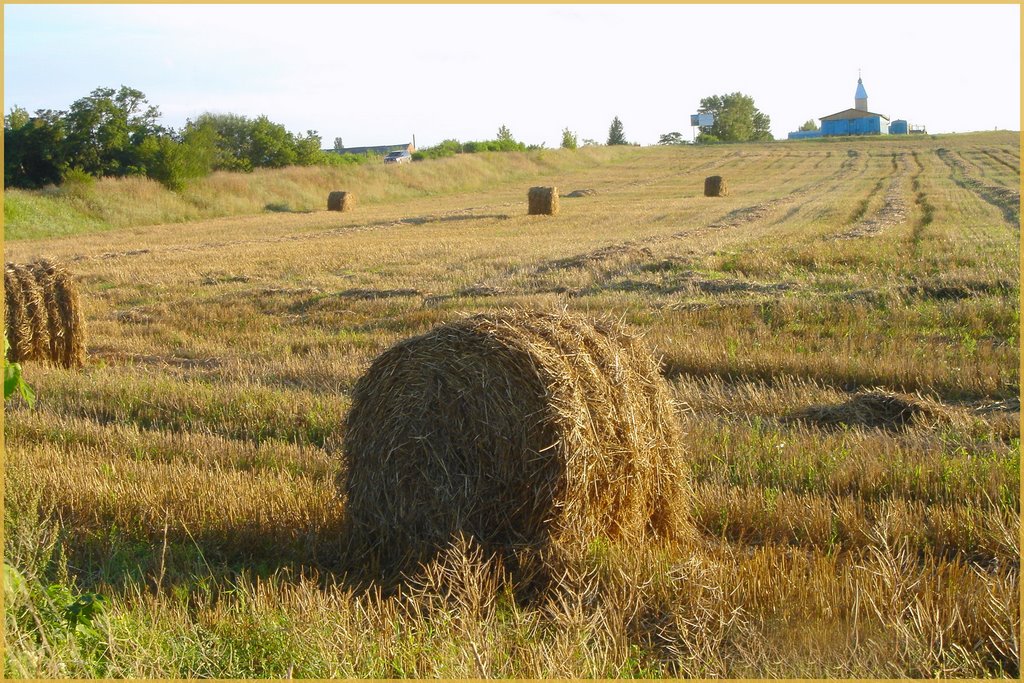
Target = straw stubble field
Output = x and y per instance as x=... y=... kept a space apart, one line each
x=839 y=335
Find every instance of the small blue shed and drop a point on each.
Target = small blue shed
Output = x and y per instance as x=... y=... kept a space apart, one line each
x=899 y=127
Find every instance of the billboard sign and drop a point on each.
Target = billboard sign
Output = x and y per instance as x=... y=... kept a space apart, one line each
x=694 y=119
x=705 y=120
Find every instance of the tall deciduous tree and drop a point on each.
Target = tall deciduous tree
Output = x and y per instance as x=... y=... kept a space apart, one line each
x=34 y=148
x=106 y=128
x=615 y=134
x=736 y=119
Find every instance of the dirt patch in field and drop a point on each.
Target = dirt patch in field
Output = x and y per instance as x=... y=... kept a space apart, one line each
x=222 y=278
x=692 y=284
x=481 y=290
x=370 y=294
x=289 y=291
x=616 y=253
x=953 y=289
x=581 y=193
x=447 y=218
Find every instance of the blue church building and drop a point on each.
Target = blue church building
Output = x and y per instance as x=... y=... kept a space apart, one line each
x=856 y=121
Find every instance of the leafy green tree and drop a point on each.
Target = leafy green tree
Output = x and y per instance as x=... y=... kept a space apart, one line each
x=106 y=128
x=736 y=119
x=307 y=149
x=569 y=139
x=673 y=138
x=34 y=148
x=616 y=136
x=809 y=124
x=272 y=146
x=231 y=135
x=505 y=135
x=173 y=160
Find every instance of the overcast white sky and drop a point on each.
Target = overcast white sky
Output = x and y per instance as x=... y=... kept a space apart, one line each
x=378 y=74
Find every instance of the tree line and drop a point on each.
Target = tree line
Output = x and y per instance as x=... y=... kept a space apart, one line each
x=116 y=133
x=735 y=117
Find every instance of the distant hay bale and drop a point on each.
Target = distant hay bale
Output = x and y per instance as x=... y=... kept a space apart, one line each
x=529 y=432
x=43 y=316
x=714 y=186
x=543 y=201
x=341 y=201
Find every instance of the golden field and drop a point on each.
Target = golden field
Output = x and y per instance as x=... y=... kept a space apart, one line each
x=188 y=472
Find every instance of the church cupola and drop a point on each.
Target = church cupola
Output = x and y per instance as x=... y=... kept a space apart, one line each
x=860 y=100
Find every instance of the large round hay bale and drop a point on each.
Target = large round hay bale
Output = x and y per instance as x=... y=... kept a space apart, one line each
x=714 y=186
x=66 y=322
x=523 y=430
x=543 y=201
x=341 y=201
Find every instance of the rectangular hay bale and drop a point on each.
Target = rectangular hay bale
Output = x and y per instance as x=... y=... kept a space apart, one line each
x=340 y=201
x=543 y=201
x=714 y=186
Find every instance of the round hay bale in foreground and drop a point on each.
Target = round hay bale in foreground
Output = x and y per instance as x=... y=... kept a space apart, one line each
x=341 y=201
x=543 y=201
x=714 y=186
x=523 y=430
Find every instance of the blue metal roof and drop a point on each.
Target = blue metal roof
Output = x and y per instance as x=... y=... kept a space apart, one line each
x=862 y=94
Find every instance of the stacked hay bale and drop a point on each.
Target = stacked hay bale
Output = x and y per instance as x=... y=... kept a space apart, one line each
x=43 y=317
x=543 y=201
x=714 y=186
x=341 y=201
x=533 y=433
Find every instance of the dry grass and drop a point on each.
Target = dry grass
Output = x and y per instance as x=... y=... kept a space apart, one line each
x=189 y=471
